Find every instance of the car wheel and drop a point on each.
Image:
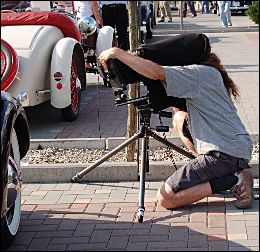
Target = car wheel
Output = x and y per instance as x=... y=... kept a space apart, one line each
x=71 y=112
x=11 y=220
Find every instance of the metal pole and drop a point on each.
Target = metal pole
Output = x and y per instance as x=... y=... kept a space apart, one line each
x=144 y=164
x=181 y=15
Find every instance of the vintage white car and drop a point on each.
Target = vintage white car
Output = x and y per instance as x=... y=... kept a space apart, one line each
x=49 y=58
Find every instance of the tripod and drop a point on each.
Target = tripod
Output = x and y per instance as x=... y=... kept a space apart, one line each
x=144 y=109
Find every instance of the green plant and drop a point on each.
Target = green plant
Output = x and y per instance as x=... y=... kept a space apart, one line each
x=253 y=11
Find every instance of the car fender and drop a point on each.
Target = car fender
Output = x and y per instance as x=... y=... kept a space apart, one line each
x=104 y=39
x=13 y=116
x=61 y=63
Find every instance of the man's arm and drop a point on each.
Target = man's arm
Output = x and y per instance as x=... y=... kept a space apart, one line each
x=95 y=9
x=142 y=66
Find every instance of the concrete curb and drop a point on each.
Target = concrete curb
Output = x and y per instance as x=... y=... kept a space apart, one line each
x=108 y=171
x=87 y=143
x=205 y=30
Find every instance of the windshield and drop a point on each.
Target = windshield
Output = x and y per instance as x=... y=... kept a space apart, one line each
x=15 y=5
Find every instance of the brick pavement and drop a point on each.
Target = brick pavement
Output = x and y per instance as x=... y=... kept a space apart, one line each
x=102 y=216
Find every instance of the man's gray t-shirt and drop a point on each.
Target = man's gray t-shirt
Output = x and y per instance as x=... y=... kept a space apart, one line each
x=213 y=119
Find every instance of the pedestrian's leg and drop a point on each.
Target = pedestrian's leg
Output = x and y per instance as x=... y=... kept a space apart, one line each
x=184 y=11
x=192 y=8
x=221 y=6
x=162 y=10
x=168 y=10
x=156 y=7
x=207 y=6
x=202 y=7
x=228 y=12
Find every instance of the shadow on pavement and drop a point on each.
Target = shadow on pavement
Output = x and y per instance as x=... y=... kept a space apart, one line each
x=113 y=226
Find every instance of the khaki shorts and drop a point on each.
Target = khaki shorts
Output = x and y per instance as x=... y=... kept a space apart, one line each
x=205 y=168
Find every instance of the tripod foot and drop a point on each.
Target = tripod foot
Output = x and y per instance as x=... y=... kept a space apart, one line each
x=140 y=215
x=75 y=179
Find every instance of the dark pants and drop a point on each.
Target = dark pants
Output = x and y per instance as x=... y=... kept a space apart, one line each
x=205 y=168
x=191 y=7
x=116 y=16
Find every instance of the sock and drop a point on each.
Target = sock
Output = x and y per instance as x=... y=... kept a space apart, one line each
x=223 y=183
x=240 y=178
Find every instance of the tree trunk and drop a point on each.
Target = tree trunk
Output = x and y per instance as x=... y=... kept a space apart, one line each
x=133 y=89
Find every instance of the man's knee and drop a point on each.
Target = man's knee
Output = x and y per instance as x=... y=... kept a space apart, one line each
x=164 y=196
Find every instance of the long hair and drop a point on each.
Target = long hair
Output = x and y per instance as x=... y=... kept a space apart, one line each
x=214 y=61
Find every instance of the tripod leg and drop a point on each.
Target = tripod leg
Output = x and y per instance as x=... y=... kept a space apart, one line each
x=144 y=165
x=107 y=156
x=167 y=143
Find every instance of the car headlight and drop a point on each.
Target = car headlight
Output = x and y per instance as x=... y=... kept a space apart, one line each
x=87 y=25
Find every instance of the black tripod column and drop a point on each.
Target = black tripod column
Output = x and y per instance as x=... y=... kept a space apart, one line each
x=142 y=173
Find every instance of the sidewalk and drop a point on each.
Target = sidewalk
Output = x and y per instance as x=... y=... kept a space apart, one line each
x=102 y=217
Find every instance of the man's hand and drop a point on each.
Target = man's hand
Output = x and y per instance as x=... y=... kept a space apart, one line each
x=106 y=55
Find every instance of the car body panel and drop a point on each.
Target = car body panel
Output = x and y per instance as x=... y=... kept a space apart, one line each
x=34 y=54
x=235 y=7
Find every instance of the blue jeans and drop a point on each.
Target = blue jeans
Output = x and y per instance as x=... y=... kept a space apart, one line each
x=225 y=13
x=205 y=4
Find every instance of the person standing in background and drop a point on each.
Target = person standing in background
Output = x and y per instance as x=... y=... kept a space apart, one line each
x=156 y=8
x=165 y=10
x=88 y=9
x=205 y=4
x=115 y=14
x=191 y=7
x=225 y=13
